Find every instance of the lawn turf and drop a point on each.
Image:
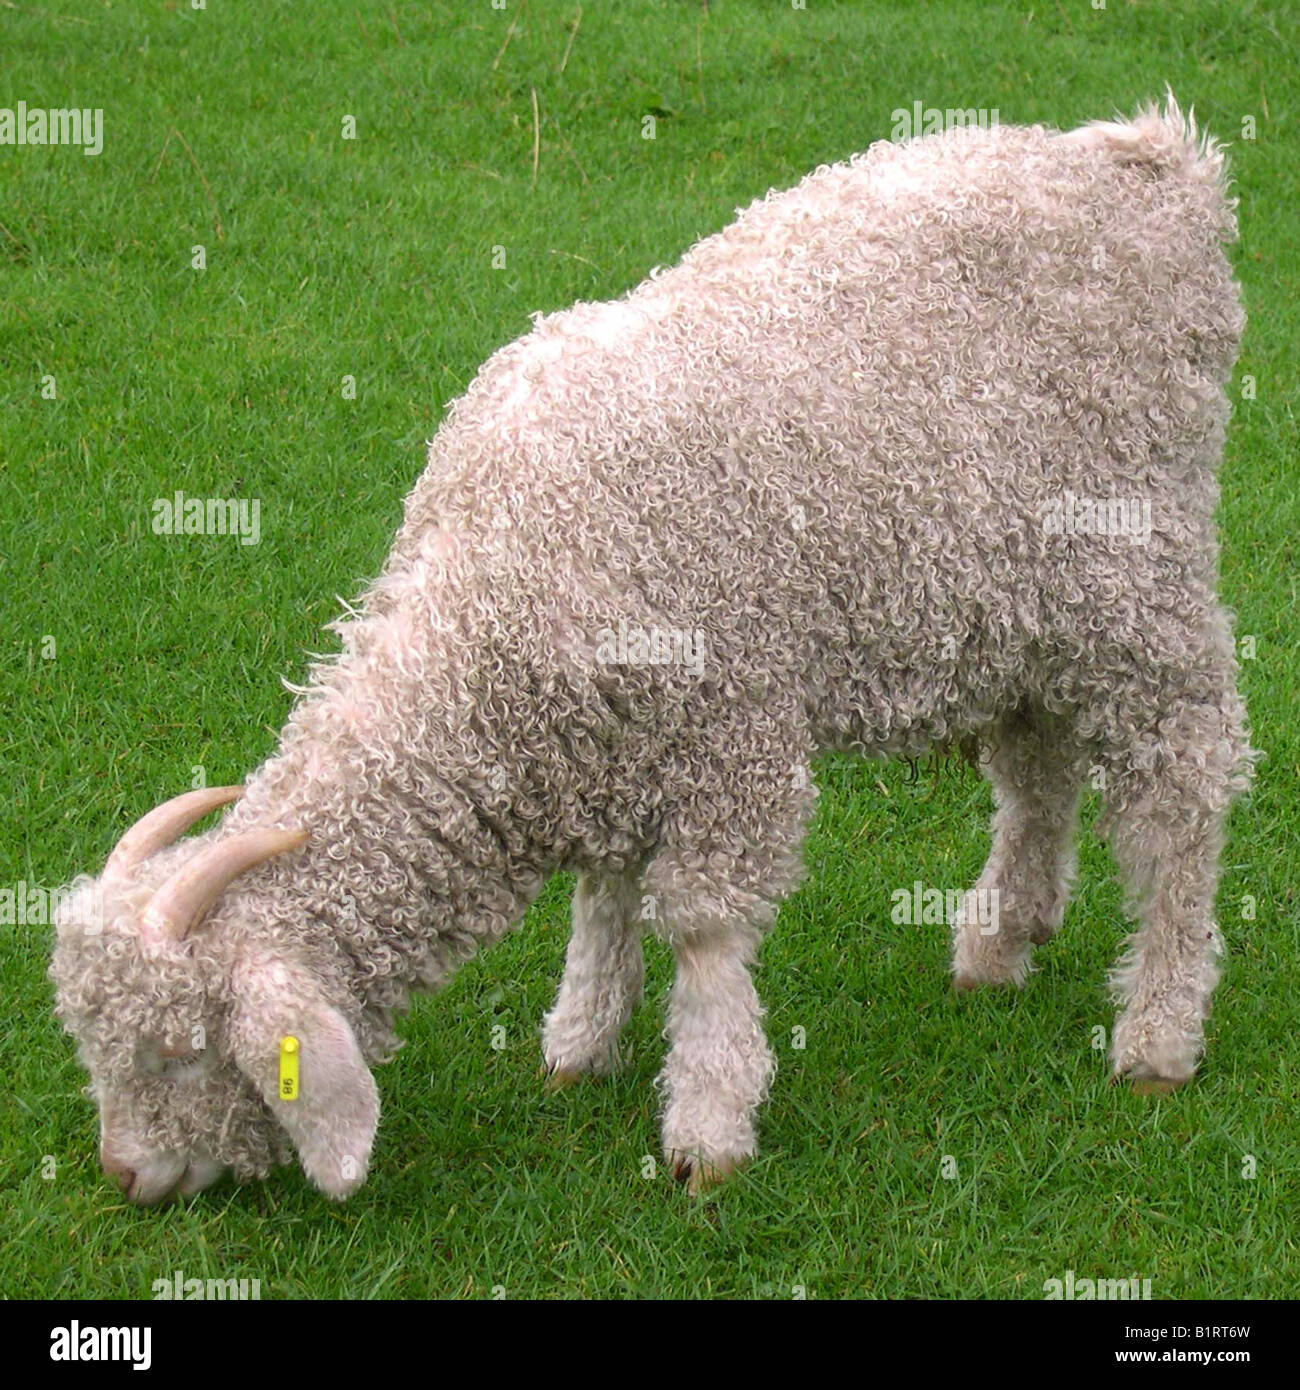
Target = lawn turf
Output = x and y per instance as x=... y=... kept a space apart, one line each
x=916 y=1144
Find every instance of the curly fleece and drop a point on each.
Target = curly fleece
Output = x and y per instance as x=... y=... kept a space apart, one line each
x=822 y=449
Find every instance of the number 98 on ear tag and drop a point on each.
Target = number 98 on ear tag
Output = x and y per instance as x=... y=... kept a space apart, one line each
x=288 y=1068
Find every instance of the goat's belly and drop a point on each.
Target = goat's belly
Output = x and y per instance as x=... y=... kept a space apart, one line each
x=891 y=699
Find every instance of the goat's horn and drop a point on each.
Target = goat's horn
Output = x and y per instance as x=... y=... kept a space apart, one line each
x=165 y=824
x=195 y=886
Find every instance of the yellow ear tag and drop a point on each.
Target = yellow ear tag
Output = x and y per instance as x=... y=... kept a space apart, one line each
x=288 y=1068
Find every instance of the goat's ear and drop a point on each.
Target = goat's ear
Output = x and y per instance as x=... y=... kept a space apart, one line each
x=334 y=1114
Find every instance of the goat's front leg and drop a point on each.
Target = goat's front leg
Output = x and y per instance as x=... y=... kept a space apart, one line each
x=723 y=865
x=719 y=1063
x=602 y=980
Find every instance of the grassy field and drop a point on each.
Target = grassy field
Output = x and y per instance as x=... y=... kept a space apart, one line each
x=130 y=658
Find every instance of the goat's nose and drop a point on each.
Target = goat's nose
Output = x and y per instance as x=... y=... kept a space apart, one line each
x=122 y=1175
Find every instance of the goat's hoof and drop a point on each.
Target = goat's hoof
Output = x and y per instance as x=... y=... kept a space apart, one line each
x=963 y=984
x=701 y=1174
x=1010 y=978
x=558 y=1078
x=1154 y=1085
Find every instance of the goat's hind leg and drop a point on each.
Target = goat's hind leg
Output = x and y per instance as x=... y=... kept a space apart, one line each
x=1036 y=769
x=602 y=981
x=1171 y=777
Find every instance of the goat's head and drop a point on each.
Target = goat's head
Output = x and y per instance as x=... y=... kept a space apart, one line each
x=181 y=1017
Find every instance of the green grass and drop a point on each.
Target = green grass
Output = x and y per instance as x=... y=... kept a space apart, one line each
x=373 y=257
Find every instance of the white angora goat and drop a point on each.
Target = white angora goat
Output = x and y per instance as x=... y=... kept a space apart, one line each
x=851 y=476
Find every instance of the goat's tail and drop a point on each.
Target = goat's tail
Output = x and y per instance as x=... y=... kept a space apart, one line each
x=1166 y=141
